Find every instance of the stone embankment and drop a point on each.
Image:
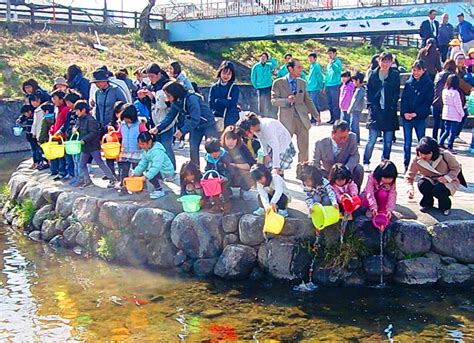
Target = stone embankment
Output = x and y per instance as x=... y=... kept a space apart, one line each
x=233 y=246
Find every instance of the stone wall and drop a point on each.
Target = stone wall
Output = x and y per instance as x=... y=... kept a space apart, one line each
x=233 y=246
x=9 y=112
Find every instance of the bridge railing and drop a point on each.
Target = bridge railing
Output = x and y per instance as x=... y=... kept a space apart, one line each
x=76 y=16
x=232 y=8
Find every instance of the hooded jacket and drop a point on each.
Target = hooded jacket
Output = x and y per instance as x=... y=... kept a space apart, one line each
x=154 y=161
x=81 y=84
x=219 y=164
x=223 y=99
x=417 y=97
x=105 y=100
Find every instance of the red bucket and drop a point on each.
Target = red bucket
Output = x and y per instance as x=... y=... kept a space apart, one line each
x=350 y=204
x=211 y=187
x=380 y=221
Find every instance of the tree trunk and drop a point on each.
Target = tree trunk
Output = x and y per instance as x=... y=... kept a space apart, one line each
x=146 y=32
x=377 y=41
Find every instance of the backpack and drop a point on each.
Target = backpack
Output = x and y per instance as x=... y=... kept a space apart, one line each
x=142 y=109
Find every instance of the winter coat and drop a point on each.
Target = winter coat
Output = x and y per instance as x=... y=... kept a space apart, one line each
x=453 y=109
x=223 y=100
x=80 y=84
x=439 y=83
x=183 y=79
x=345 y=97
x=432 y=60
x=466 y=31
x=69 y=123
x=46 y=124
x=373 y=187
x=61 y=117
x=446 y=33
x=221 y=164
x=383 y=119
x=358 y=103
x=129 y=136
x=261 y=75
x=333 y=73
x=315 y=78
x=349 y=188
x=88 y=128
x=274 y=137
x=470 y=104
x=320 y=191
x=417 y=97
x=105 y=102
x=154 y=161
x=26 y=123
x=37 y=119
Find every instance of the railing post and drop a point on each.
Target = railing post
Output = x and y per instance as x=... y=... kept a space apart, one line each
x=135 y=19
x=69 y=15
x=32 y=15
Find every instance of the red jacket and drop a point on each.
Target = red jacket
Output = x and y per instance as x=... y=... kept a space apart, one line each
x=60 y=119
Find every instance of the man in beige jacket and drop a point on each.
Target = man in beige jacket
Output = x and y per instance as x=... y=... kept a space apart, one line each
x=295 y=106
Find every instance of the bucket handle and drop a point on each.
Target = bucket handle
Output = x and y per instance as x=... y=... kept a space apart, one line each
x=56 y=136
x=209 y=172
x=74 y=134
x=111 y=132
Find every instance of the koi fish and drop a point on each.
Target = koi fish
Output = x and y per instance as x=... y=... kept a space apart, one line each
x=138 y=301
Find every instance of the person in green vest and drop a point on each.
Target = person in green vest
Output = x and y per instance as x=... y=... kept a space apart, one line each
x=333 y=84
x=283 y=70
x=315 y=80
x=261 y=78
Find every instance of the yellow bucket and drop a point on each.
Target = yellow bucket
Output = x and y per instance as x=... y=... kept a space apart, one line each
x=273 y=222
x=111 y=149
x=52 y=149
x=324 y=216
x=133 y=183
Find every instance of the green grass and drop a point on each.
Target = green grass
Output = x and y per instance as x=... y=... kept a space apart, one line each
x=337 y=256
x=25 y=212
x=106 y=247
x=5 y=191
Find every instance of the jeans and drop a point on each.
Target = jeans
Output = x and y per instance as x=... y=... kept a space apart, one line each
x=432 y=190
x=96 y=156
x=265 y=102
x=36 y=151
x=77 y=165
x=195 y=138
x=314 y=95
x=462 y=123
x=345 y=116
x=354 y=124
x=387 y=144
x=408 y=126
x=69 y=165
x=166 y=138
x=437 y=121
x=450 y=132
x=472 y=139
x=332 y=94
x=58 y=166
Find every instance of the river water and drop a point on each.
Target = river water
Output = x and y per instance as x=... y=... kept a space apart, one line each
x=56 y=296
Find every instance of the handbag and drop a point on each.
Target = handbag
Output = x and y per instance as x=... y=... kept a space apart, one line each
x=461 y=178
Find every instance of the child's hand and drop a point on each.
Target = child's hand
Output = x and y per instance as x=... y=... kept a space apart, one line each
x=82 y=142
x=389 y=215
x=154 y=130
x=17 y=121
x=374 y=212
x=143 y=177
x=74 y=130
x=336 y=206
x=178 y=134
x=411 y=194
x=274 y=208
x=224 y=179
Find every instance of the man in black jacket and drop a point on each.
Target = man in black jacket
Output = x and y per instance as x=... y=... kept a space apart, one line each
x=383 y=91
x=446 y=33
x=429 y=28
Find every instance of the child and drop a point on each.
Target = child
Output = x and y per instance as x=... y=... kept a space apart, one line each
x=114 y=125
x=357 y=104
x=46 y=123
x=72 y=161
x=175 y=71
x=316 y=188
x=380 y=194
x=154 y=164
x=347 y=90
x=453 y=111
x=58 y=166
x=129 y=129
x=38 y=114
x=219 y=160
x=470 y=58
x=341 y=181
x=272 y=191
x=26 y=122
x=190 y=177
x=88 y=129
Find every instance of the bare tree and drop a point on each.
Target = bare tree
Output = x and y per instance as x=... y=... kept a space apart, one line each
x=146 y=31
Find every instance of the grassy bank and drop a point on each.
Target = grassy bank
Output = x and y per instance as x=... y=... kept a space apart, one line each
x=45 y=54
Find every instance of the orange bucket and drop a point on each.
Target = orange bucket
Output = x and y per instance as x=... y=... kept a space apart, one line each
x=211 y=187
x=133 y=184
x=111 y=149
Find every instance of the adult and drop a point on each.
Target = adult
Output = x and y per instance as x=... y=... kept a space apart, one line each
x=315 y=81
x=31 y=87
x=333 y=84
x=274 y=138
x=295 y=106
x=466 y=33
x=76 y=81
x=439 y=172
x=111 y=79
x=261 y=78
x=383 y=91
x=61 y=84
x=431 y=58
x=224 y=96
x=429 y=28
x=341 y=147
x=449 y=67
x=415 y=106
x=445 y=35
x=194 y=117
x=105 y=98
x=153 y=97
x=283 y=70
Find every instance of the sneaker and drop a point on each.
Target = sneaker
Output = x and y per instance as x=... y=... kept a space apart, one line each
x=452 y=151
x=259 y=211
x=283 y=213
x=470 y=150
x=105 y=177
x=83 y=185
x=424 y=209
x=118 y=186
x=367 y=168
x=247 y=195
x=75 y=183
x=112 y=183
x=446 y=213
x=459 y=140
x=157 y=194
x=67 y=177
x=58 y=177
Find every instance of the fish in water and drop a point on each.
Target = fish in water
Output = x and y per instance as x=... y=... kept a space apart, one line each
x=409 y=22
x=362 y=25
x=326 y=29
x=299 y=29
x=322 y=27
x=343 y=25
x=137 y=301
x=284 y=29
x=385 y=23
x=368 y=24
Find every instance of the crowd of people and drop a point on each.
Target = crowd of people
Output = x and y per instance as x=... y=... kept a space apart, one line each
x=151 y=113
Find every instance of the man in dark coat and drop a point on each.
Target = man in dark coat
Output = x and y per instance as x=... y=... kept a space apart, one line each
x=446 y=33
x=429 y=28
x=383 y=91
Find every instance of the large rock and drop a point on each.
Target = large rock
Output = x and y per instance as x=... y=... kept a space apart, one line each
x=116 y=216
x=204 y=266
x=83 y=238
x=370 y=235
x=372 y=266
x=455 y=273
x=36 y=196
x=43 y=213
x=251 y=229
x=284 y=259
x=354 y=279
x=161 y=253
x=86 y=210
x=151 y=223
x=230 y=239
x=51 y=194
x=454 y=238
x=411 y=237
x=199 y=235
x=35 y=236
x=65 y=202
x=230 y=222
x=57 y=241
x=25 y=192
x=49 y=230
x=236 y=262
x=418 y=271
x=327 y=276
x=70 y=234
x=130 y=250
x=16 y=184
x=299 y=229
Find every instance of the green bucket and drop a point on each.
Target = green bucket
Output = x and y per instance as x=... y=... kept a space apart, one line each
x=191 y=203
x=73 y=146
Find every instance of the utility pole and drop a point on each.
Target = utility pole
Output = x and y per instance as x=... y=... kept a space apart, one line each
x=9 y=10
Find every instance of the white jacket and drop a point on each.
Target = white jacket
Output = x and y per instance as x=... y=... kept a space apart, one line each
x=37 y=119
x=159 y=108
x=278 y=185
x=273 y=136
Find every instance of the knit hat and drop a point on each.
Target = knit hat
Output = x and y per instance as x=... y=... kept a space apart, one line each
x=455 y=42
x=60 y=81
x=459 y=54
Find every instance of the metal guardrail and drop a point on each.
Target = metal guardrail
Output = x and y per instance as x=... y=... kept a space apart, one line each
x=77 y=16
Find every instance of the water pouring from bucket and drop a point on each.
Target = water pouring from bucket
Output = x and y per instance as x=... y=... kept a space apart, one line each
x=380 y=221
x=309 y=286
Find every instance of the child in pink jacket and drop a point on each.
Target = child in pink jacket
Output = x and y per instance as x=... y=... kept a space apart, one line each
x=341 y=182
x=380 y=194
x=453 y=111
x=345 y=97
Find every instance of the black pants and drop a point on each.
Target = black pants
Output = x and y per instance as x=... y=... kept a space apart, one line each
x=111 y=165
x=156 y=182
x=443 y=50
x=124 y=169
x=281 y=204
x=431 y=191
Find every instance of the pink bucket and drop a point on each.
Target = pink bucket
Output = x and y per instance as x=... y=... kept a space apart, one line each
x=211 y=187
x=380 y=221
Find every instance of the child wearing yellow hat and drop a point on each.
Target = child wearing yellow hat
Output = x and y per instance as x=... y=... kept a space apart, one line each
x=455 y=45
x=470 y=58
